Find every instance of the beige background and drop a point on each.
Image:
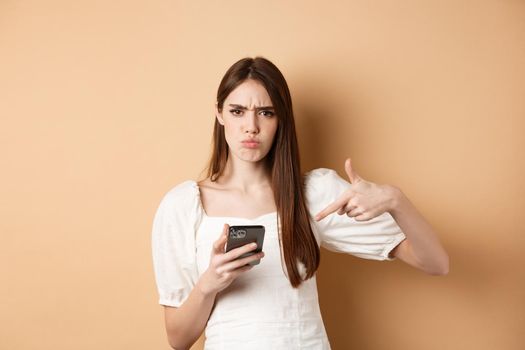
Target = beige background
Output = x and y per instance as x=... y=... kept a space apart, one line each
x=106 y=105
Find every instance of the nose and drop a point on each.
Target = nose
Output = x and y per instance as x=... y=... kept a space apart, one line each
x=252 y=123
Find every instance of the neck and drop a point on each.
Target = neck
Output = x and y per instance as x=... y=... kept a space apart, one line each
x=245 y=176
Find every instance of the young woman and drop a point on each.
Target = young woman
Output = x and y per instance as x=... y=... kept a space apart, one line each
x=254 y=178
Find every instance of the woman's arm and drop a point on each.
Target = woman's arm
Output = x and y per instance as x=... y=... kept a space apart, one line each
x=366 y=200
x=185 y=324
x=422 y=248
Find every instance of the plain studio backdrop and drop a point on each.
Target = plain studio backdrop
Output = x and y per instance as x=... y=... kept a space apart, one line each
x=106 y=105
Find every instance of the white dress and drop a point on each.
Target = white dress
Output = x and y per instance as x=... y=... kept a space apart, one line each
x=260 y=309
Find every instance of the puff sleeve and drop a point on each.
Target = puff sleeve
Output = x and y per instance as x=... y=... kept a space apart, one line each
x=173 y=244
x=371 y=239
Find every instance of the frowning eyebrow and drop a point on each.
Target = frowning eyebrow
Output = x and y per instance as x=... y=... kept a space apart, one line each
x=245 y=108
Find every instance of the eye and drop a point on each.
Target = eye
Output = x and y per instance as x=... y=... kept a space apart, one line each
x=270 y=113
x=234 y=111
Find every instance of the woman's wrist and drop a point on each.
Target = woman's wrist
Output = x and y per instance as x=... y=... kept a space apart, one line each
x=394 y=198
x=204 y=290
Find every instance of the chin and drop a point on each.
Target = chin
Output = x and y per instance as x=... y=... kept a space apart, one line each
x=253 y=157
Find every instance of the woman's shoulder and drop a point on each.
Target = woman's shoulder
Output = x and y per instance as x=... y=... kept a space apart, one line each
x=317 y=176
x=182 y=188
x=323 y=184
x=319 y=172
x=183 y=193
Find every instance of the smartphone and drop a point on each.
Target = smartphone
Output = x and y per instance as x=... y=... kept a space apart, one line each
x=243 y=234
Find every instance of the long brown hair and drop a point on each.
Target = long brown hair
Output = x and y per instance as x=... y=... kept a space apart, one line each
x=298 y=240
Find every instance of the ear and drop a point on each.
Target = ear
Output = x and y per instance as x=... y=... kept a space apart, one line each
x=218 y=114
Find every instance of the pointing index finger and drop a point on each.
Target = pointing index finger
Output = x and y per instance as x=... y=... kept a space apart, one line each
x=331 y=208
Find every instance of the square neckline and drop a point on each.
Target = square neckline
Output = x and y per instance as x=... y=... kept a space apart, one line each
x=199 y=202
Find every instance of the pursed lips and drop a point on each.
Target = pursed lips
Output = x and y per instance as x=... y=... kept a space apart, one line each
x=250 y=143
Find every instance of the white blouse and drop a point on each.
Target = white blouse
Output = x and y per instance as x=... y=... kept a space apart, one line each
x=259 y=309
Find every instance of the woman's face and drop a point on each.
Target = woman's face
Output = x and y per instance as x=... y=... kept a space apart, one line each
x=248 y=115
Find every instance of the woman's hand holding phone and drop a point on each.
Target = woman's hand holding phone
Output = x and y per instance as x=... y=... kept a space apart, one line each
x=224 y=268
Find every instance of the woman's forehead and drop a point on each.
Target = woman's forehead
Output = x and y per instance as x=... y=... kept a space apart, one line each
x=238 y=106
x=249 y=94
